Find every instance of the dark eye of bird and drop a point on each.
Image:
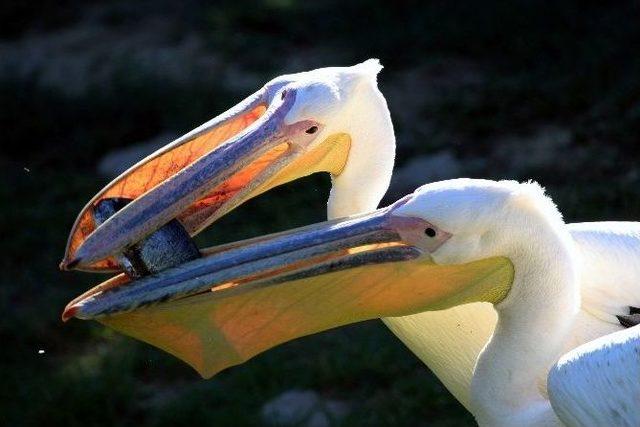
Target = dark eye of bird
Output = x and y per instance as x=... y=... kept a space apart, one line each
x=312 y=129
x=430 y=232
x=284 y=92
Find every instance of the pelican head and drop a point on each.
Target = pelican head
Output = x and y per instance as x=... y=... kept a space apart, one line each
x=447 y=244
x=484 y=218
x=327 y=120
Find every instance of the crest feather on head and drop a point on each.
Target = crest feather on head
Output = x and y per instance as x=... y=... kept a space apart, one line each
x=532 y=196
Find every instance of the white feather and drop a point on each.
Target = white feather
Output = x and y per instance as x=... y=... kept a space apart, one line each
x=598 y=383
x=605 y=257
x=450 y=341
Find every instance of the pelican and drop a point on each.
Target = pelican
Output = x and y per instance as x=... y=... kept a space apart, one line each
x=332 y=120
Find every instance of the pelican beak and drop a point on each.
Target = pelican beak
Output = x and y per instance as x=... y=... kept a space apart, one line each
x=246 y=297
x=197 y=179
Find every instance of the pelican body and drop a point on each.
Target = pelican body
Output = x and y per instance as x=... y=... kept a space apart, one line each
x=482 y=280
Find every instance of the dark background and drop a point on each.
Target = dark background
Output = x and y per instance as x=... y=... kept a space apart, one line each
x=541 y=90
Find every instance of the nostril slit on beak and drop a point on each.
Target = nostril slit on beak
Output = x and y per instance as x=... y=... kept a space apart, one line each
x=312 y=130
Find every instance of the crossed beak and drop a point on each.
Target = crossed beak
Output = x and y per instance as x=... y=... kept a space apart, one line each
x=373 y=238
x=243 y=298
x=218 y=307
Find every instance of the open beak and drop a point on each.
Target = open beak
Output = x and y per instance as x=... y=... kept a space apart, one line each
x=187 y=185
x=243 y=298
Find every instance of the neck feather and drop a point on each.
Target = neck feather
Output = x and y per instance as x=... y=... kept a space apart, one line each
x=508 y=387
x=367 y=173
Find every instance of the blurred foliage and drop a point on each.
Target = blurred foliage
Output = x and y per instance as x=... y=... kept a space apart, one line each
x=573 y=63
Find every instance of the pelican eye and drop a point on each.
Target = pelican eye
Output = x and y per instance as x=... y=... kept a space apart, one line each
x=312 y=129
x=283 y=94
x=430 y=232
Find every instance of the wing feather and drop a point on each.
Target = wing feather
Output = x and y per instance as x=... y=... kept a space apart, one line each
x=598 y=383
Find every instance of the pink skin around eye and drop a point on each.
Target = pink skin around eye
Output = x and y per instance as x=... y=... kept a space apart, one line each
x=412 y=230
x=436 y=241
x=299 y=133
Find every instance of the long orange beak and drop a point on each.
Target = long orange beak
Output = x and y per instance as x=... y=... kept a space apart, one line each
x=174 y=195
x=179 y=190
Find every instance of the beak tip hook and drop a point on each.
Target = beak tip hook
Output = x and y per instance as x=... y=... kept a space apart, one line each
x=70 y=312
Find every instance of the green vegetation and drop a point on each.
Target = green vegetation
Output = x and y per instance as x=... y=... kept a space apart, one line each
x=573 y=65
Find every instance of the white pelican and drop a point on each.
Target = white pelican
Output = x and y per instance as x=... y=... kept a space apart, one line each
x=448 y=244
x=354 y=141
